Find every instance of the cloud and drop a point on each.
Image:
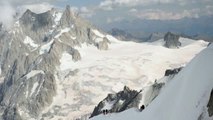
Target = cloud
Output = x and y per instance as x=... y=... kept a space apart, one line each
x=117 y=19
x=37 y=8
x=7 y=13
x=133 y=10
x=153 y=14
x=129 y=3
x=22 y=2
x=86 y=12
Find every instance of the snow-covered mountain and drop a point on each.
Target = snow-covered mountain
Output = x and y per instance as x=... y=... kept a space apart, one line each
x=56 y=65
x=187 y=96
x=30 y=56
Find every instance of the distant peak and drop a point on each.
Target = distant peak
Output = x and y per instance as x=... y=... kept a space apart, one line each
x=68 y=7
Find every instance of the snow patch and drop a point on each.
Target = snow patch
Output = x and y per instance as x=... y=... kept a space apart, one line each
x=29 y=41
x=112 y=39
x=98 y=39
x=57 y=17
x=33 y=73
x=65 y=61
x=108 y=105
x=62 y=31
x=35 y=85
x=46 y=48
x=73 y=37
x=99 y=34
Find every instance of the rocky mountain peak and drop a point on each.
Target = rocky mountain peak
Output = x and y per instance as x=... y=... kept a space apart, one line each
x=36 y=21
x=30 y=55
x=172 y=40
x=68 y=17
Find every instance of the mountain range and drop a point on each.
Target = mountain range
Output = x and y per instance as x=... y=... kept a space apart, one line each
x=56 y=65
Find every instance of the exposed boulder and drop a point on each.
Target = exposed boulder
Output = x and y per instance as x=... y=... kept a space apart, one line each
x=76 y=56
x=118 y=102
x=172 y=40
x=103 y=45
x=210 y=105
x=169 y=72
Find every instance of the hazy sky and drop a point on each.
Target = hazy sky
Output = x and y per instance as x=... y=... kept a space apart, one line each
x=109 y=11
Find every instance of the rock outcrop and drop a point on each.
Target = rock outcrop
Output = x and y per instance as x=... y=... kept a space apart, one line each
x=169 y=72
x=172 y=40
x=210 y=104
x=103 y=45
x=118 y=102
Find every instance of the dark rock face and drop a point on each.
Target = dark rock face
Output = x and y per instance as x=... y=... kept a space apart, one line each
x=11 y=114
x=169 y=72
x=76 y=56
x=103 y=45
x=37 y=21
x=172 y=40
x=35 y=25
x=120 y=101
x=210 y=105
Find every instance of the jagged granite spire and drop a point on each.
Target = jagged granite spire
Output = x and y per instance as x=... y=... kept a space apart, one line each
x=68 y=17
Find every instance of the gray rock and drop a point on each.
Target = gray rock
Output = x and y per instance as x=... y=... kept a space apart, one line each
x=169 y=72
x=210 y=104
x=129 y=98
x=68 y=18
x=35 y=25
x=11 y=114
x=103 y=45
x=76 y=56
x=172 y=40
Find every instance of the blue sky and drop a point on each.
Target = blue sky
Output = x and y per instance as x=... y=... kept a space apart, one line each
x=107 y=12
x=117 y=10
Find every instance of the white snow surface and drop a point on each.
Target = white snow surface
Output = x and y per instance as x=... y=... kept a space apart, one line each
x=33 y=73
x=30 y=42
x=185 y=97
x=57 y=16
x=108 y=105
x=62 y=31
x=99 y=34
x=35 y=85
x=46 y=47
x=136 y=65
